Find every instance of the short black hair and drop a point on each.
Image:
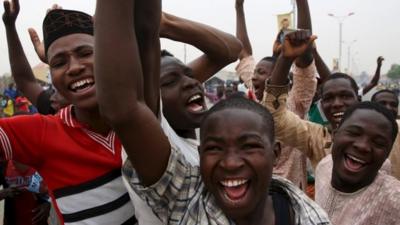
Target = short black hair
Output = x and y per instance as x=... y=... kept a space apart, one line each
x=271 y=59
x=341 y=76
x=373 y=98
x=166 y=53
x=375 y=107
x=240 y=102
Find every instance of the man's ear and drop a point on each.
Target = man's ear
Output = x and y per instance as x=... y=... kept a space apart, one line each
x=277 y=152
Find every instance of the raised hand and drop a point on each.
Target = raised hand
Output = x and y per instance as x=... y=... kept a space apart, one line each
x=37 y=43
x=53 y=7
x=380 y=60
x=11 y=11
x=296 y=43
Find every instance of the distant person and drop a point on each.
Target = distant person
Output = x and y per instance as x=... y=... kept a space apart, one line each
x=22 y=104
x=25 y=194
x=390 y=100
x=8 y=106
x=11 y=91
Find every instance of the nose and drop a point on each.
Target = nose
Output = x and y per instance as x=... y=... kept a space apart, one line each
x=255 y=76
x=232 y=161
x=190 y=83
x=362 y=144
x=75 y=66
x=337 y=102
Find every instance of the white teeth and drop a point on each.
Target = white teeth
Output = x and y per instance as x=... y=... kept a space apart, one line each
x=194 y=98
x=340 y=114
x=356 y=159
x=233 y=183
x=81 y=83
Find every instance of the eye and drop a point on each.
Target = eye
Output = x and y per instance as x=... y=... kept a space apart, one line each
x=85 y=52
x=352 y=132
x=346 y=96
x=212 y=148
x=249 y=146
x=327 y=98
x=380 y=142
x=169 y=80
x=188 y=72
x=57 y=63
x=261 y=72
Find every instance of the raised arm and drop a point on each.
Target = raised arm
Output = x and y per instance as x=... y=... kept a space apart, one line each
x=322 y=68
x=241 y=30
x=20 y=67
x=304 y=23
x=219 y=48
x=118 y=72
x=148 y=40
x=289 y=128
x=376 y=77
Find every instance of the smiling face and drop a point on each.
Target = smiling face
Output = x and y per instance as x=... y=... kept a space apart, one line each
x=337 y=96
x=182 y=95
x=389 y=101
x=71 y=61
x=262 y=72
x=360 y=146
x=236 y=160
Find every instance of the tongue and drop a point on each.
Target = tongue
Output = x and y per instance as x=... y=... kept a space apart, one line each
x=236 y=193
x=353 y=165
x=194 y=107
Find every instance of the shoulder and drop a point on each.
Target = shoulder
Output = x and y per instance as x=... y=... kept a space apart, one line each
x=390 y=189
x=306 y=210
x=325 y=164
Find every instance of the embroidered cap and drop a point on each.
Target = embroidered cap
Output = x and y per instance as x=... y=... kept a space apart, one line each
x=60 y=22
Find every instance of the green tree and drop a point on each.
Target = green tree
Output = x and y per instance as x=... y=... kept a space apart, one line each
x=394 y=72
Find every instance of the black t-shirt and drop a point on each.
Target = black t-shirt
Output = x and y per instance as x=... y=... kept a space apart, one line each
x=283 y=209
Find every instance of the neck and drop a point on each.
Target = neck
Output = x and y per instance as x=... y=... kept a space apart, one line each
x=264 y=214
x=346 y=187
x=92 y=119
x=191 y=133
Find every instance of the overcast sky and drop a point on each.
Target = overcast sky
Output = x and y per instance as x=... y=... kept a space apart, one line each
x=375 y=26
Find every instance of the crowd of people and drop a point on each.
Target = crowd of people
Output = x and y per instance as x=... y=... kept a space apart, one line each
x=126 y=135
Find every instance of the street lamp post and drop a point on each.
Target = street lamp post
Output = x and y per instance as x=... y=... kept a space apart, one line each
x=340 y=19
x=349 y=55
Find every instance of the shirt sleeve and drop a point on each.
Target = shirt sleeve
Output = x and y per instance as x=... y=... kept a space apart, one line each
x=21 y=138
x=174 y=191
x=245 y=70
x=43 y=103
x=290 y=129
x=303 y=90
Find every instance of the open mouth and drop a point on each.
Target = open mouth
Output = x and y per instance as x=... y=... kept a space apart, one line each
x=196 y=103
x=235 y=190
x=337 y=117
x=353 y=164
x=81 y=85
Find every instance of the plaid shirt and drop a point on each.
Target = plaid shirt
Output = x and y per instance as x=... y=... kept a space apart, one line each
x=180 y=197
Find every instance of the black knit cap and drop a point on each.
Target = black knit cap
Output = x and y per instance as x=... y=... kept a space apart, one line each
x=60 y=22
